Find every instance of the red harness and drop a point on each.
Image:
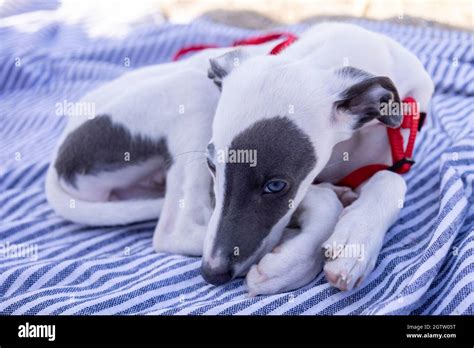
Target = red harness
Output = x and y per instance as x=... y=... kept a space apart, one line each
x=401 y=158
x=255 y=40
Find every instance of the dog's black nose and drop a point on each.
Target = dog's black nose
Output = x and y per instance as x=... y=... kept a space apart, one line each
x=216 y=276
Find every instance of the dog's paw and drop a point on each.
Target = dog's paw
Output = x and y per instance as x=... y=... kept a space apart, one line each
x=280 y=271
x=348 y=273
x=350 y=255
x=268 y=276
x=255 y=281
x=273 y=273
x=345 y=194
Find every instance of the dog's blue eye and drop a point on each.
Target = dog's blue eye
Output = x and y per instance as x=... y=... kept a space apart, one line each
x=274 y=186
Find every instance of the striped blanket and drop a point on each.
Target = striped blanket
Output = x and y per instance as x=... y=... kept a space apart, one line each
x=51 y=266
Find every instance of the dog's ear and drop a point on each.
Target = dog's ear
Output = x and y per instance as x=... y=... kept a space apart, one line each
x=366 y=97
x=222 y=66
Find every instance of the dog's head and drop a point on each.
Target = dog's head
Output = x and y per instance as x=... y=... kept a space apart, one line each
x=274 y=129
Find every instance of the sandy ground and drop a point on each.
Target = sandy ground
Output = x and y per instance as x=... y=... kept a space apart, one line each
x=457 y=13
x=115 y=18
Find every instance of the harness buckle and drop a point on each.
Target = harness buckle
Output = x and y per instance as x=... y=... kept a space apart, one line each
x=399 y=164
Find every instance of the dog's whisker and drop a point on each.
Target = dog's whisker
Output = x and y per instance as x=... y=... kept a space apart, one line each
x=188 y=152
x=195 y=159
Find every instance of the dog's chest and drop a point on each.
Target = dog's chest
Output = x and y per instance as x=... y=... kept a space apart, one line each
x=369 y=145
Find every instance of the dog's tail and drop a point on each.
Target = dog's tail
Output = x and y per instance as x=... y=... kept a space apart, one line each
x=99 y=213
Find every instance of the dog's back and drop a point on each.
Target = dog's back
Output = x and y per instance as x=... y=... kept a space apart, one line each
x=335 y=45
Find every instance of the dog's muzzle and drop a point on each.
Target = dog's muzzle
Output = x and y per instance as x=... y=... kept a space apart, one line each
x=217 y=275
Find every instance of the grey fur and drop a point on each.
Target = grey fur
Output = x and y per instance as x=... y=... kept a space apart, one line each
x=361 y=100
x=248 y=214
x=350 y=71
x=221 y=66
x=100 y=145
x=216 y=74
x=211 y=150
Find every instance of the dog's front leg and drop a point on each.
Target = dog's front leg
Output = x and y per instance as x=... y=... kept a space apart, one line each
x=353 y=248
x=186 y=210
x=298 y=258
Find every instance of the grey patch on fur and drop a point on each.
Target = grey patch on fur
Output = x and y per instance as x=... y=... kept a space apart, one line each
x=216 y=74
x=99 y=145
x=211 y=150
x=222 y=65
x=350 y=71
x=364 y=99
x=248 y=215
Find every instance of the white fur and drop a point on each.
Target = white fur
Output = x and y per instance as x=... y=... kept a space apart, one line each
x=363 y=225
x=149 y=102
x=98 y=213
x=302 y=78
x=299 y=258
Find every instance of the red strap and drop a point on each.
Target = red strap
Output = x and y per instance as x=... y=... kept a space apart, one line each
x=185 y=50
x=282 y=45
x=358 y=176
x=410 y=120
x=255 y=40
x=402 y=159
x=258 y=40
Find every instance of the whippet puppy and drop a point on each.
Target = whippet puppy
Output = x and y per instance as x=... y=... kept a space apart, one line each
x=303 y=111
x=230 y=173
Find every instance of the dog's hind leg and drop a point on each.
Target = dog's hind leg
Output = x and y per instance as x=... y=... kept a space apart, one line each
x=299 y=257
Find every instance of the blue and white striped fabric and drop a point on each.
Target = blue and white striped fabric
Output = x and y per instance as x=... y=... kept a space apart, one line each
x=426 y=265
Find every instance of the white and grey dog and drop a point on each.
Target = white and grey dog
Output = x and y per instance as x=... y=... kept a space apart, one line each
x=279 y=123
